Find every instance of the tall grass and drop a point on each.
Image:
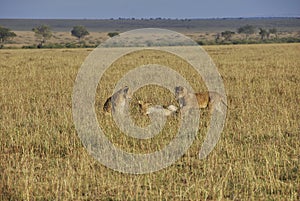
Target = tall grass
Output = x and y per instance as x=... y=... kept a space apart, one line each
x=257 y=157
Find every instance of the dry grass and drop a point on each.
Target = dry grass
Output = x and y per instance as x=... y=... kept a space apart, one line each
x=25 y=38
x=257 y=156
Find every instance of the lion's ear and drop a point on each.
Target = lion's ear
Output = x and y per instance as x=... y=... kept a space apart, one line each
x=178 y=89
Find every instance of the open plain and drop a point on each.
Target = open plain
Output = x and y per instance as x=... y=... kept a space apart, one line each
x=256 y=158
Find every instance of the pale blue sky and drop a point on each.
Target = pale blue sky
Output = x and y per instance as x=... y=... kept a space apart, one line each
x=98 y=9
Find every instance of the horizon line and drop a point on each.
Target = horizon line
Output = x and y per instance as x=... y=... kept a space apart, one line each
x=151 y=18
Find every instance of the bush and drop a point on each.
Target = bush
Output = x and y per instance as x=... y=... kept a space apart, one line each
x=112 y=34
x=71 y=45
x=29 y=47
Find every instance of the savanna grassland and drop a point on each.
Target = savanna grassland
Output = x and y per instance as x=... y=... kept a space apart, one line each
x=256 y=158
x=204 y=31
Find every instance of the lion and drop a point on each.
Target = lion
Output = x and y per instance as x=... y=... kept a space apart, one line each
x=206 y=99
x=117 y=101
x=147 y=108
x=165 y=111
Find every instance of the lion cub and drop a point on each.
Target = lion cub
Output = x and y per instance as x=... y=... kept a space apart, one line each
x=204 y=99
x=117 y=101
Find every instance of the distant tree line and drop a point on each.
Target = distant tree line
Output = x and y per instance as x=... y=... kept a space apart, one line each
x=225 y=37
x=43 y=33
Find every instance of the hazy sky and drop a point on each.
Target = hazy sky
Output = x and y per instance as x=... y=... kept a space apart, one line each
x=98 y=9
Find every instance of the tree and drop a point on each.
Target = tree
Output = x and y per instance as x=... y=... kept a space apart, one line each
x=217 y=37
x=227 y=35
x=5 y=34
x=43 y=33
x=263 y=33
x=112 y=34
x=273 y=31
x=79 y=32
x=247 y=30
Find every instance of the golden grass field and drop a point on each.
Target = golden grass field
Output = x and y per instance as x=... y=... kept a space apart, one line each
x=256 y=158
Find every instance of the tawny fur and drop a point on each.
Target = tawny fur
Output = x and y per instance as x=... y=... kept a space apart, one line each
x=117 y=100
x=143 y=106
x=204 y=99
x=147 y=108
x=165 y=111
